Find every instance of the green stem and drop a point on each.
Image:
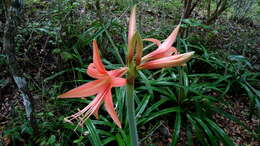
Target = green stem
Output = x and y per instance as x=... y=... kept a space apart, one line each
x=181 y=90
x=131 y=107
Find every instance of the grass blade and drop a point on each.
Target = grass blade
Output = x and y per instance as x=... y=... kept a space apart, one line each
x=177 y=127
x=207 y=131
x=157 y=114
x=220 y=132
x=94 y=138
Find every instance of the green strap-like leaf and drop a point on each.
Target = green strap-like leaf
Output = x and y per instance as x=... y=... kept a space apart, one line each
x=94 y=138
x=142 y=106
x=157 y=114
x=197 y=130
x=212 y=138
x=220 y=132
x=177 y=127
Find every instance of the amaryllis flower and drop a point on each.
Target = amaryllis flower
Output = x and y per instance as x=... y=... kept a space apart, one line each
x=101 y=87
x=165 y=49
x=165 y=55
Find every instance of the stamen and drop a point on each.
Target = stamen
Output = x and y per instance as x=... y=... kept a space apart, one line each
x=84 y=114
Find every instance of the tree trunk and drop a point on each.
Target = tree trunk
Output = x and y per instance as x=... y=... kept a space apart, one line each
x=188 y=7
x=222 y=5
x=208 y=8
x=12 y=15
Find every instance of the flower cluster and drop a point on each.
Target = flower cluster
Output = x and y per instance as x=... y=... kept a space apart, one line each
x=164 y=56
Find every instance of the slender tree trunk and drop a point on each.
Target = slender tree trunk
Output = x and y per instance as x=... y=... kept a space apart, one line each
x=12 y=16
x=222 y=5
x=188 y=7
x=208 y=8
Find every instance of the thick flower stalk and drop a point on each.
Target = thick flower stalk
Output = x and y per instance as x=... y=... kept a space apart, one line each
x=101 y=87
x=134 y=41
x=164 y=56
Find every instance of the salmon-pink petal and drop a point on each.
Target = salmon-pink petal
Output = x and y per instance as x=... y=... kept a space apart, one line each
x=171 y=39
x=87 y=89
x=94 y=73
x=160 y=54
x=132 y=24
x=118 y=72
x=166 y=53
x=131 y=32
x=174 y=50
x=175 y=60
x=118 y=82
x=164 y=48
x=110 y=109
x=155 y=41
x=97 y=60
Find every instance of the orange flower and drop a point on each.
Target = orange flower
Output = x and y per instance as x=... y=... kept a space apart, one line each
x=102 y=87
x=165 y=49
x=165 y=55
